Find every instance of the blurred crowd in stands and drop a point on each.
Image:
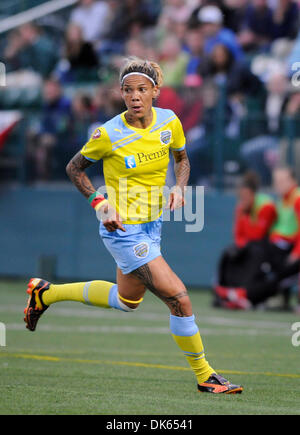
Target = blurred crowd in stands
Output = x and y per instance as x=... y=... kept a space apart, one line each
x=231 y=73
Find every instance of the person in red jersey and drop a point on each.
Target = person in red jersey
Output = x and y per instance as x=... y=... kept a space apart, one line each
x=255 y=212
x=240 y=264
x=256 y=270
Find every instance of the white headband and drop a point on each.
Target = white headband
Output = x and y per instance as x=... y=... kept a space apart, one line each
x=140 y=74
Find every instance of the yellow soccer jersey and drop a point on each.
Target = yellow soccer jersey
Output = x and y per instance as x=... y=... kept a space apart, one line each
x=135 y=162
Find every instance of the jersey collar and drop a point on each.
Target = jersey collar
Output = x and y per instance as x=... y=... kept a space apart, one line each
x=140 y=129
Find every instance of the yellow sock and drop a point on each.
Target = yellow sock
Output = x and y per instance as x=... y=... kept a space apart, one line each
x=91 y=293
x=186 y=334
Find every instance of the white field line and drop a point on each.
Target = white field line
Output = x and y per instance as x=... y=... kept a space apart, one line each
x=154 y=317
x=122 y=329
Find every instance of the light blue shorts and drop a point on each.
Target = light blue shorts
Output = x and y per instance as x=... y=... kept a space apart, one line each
x=135 y=247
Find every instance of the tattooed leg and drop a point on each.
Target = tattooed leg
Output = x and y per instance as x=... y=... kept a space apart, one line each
x=163 y=282
x=178 y=303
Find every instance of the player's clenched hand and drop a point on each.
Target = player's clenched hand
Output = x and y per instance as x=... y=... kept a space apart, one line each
x=110 y=218
x=176 y=199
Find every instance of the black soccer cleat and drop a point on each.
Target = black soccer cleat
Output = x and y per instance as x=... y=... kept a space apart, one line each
x=35 y=306
x=216 y=384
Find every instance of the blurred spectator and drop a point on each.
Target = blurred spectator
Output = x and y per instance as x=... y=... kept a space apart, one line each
x=130 y=19
x=12 y=51
x=211 y=23
x=285 y=19
x=54 y=131
x=114 y=102
x=200 y=136
x=196 y=43
x=170 y=99
x=262 y=152
x=236 y=81
x=93 y=17
x=100 y=98
x=195 y=48
x=174 y=18
x=187 y=105
x=28 y=48
x=83 y=115
x=264 y=65
x=222 y=67
x=192 y=119
x=133 y=47
x=173 y=61
x=293 y=62
x=277 y=96
x=191 y=115
x=175 y=11
x=290 y=142
x=79 y=57
x=234 y=13
x=257 y=32
x=293 y=105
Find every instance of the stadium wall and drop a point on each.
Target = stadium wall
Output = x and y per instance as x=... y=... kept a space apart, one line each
x=55 y=232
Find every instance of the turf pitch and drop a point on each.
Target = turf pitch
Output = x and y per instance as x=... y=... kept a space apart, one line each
x=86 y=360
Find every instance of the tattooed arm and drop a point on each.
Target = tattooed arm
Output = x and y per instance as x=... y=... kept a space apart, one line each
x=75 y=170
x=182 y=173
x=181 y=168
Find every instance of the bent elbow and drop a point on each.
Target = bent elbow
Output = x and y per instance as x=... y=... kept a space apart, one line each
x=68 y=169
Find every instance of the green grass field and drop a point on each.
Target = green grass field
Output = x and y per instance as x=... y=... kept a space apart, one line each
x=84 y=360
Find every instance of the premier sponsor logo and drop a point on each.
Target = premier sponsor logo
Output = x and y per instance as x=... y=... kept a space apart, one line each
x=141 y=158
x=148 y=157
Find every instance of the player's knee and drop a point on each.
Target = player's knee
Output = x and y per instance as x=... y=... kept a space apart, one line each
x=179 y=305
x=185 y=303
x=128 y=306
x=128 y=309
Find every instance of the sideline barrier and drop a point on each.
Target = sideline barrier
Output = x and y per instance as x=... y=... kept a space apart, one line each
x=56 y=232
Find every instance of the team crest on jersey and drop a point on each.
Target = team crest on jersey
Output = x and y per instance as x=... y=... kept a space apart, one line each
x=141 y=250
x=97 y=134
x=165 y=137
x=130 y=162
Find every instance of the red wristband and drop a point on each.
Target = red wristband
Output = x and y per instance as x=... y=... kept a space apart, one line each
x=97 y=201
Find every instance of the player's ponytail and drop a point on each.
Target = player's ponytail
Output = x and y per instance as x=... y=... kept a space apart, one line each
x=159 y=73
x=148 y=68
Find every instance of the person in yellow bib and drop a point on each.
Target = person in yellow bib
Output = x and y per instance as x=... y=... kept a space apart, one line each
x=134 y=147
x=251 y=274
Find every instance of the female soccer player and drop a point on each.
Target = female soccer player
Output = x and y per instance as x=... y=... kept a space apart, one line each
x=134 y=147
